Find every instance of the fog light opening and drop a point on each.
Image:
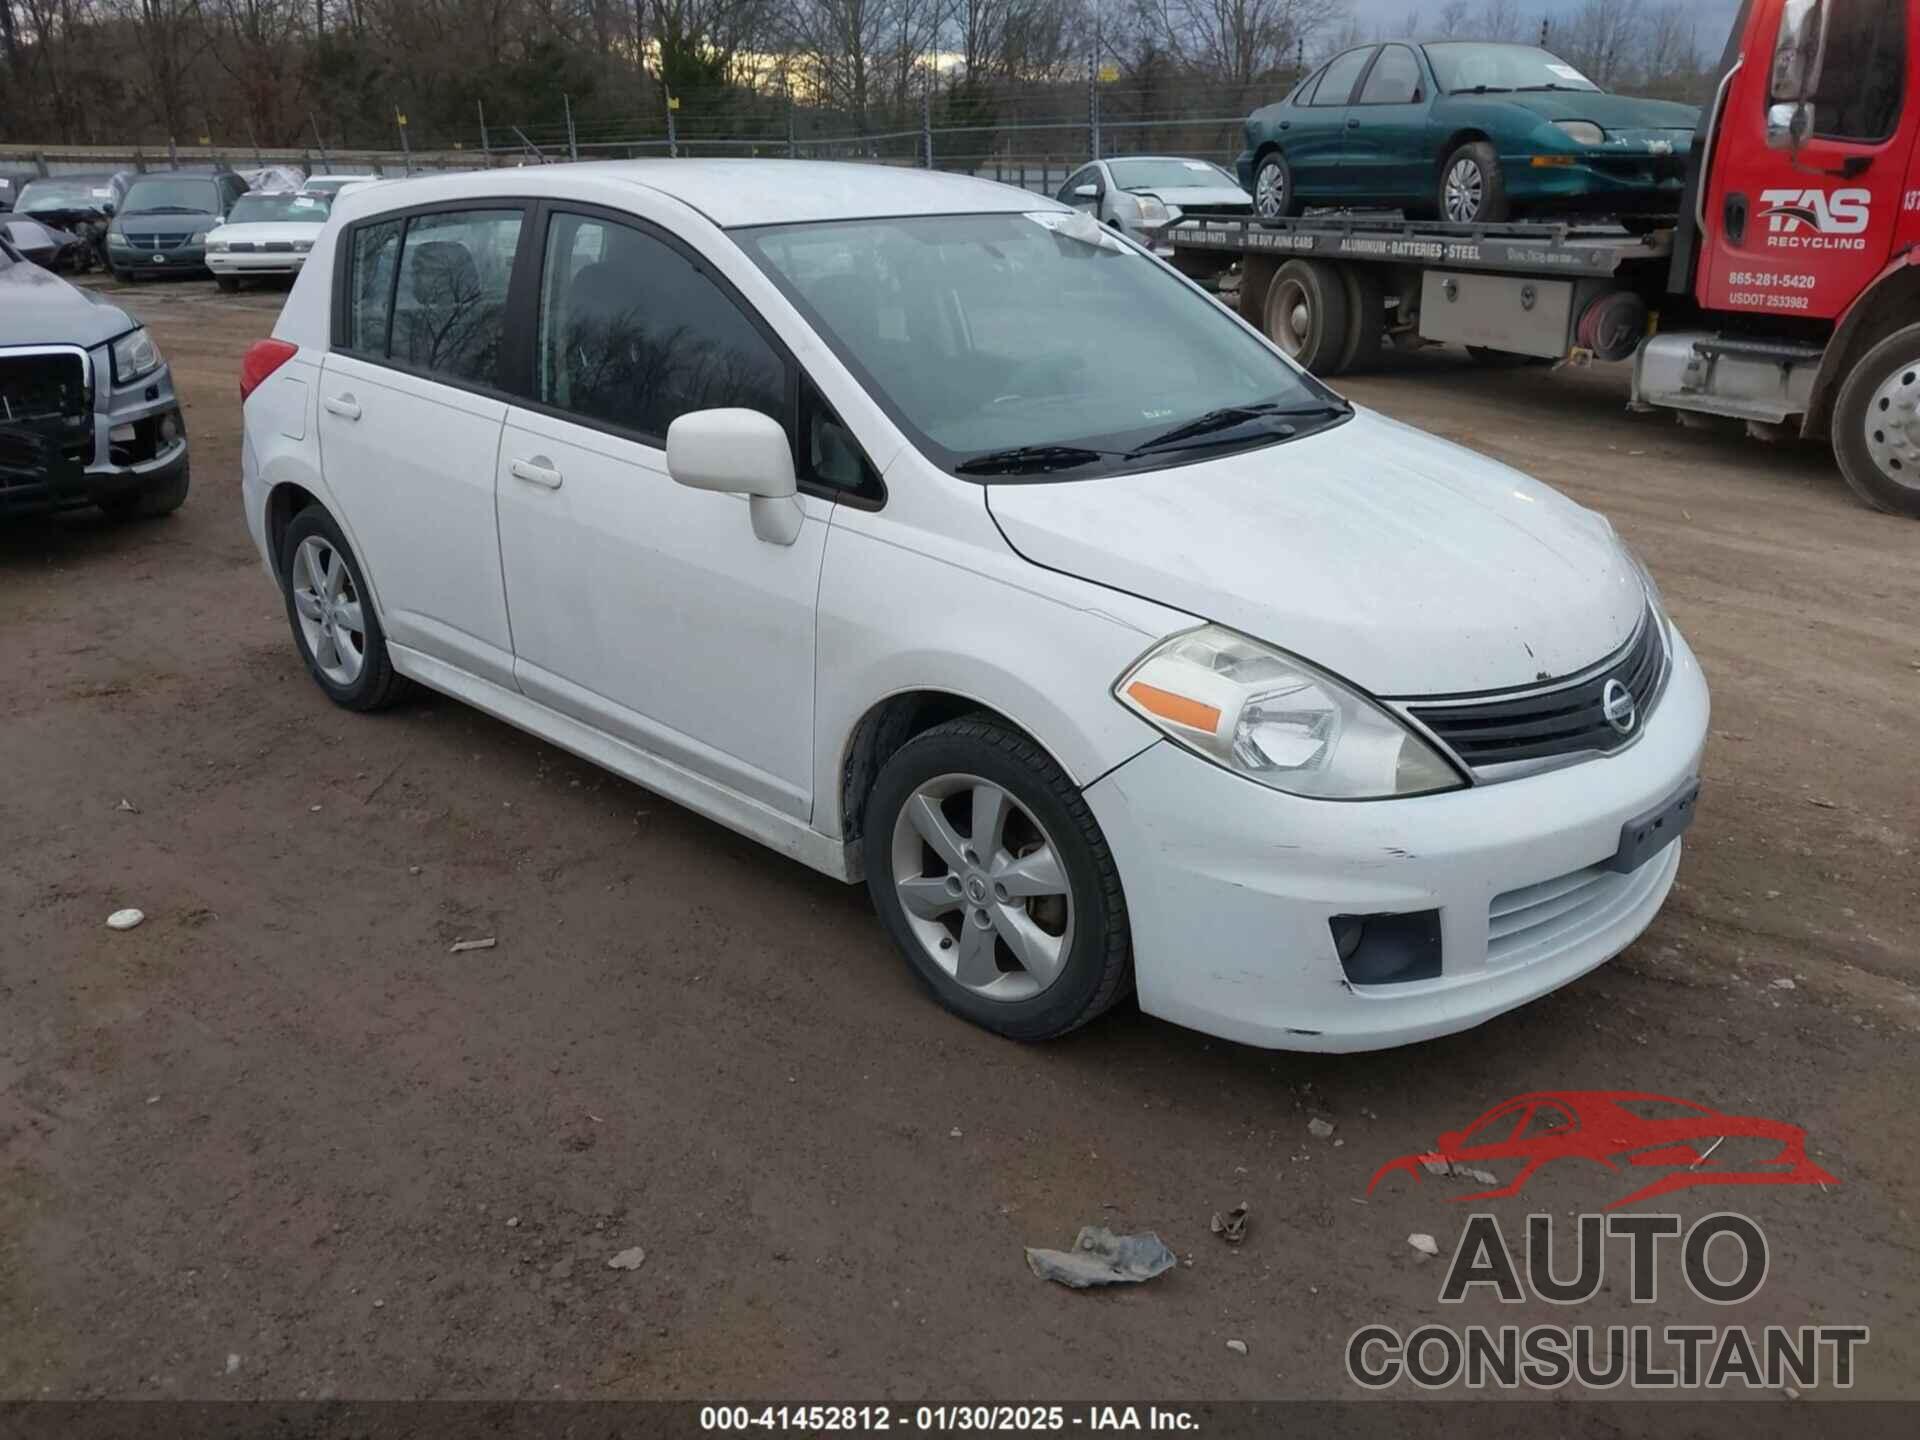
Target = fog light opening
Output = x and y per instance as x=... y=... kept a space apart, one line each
x=1380 y=950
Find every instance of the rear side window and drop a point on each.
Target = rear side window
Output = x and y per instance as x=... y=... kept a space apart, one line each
x=1336 y=86
x=1863 y=77
x=449 y=308
x=370 y=266
x=632 y=334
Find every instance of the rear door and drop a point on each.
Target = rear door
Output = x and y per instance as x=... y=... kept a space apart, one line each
x=1388 y=150
x=412 y=399
x=645 y=609
x=1317 y=145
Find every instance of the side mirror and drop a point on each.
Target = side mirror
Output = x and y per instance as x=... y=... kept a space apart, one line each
x=1086 y=192
x=739 y=452
x=1788 y=126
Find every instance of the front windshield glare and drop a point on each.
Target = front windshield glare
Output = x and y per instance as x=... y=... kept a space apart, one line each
x=157 y=194
x=1460 y=66
x=985 y=333
x=1168 y=175
x=250 y=209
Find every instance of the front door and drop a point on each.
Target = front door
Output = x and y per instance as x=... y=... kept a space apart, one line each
x=410 y=419
x=643 y=608
x=1802 y=229
x=1389 y=152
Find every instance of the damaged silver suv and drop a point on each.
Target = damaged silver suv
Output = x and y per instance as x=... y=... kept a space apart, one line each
x=87 y=410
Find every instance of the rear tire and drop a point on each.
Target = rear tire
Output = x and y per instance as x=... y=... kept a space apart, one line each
x=346 y=653
x=1473 y=187
x=1366 y=318
x=1018 y=921
x=1308 y=316
x=1876 y=425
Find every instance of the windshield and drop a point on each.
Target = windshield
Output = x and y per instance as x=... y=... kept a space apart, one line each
x=1168 y=174
x=251 y=209
x=1460 y=67
x=162 y=192
x=81 y=194
x=983 y=334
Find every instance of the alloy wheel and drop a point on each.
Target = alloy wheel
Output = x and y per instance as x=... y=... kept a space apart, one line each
x=1270 y=190
x=1466 y=192
x=983 y=888
x=329 y=606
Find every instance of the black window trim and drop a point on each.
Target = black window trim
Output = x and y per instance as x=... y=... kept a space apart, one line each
x=1899 y=115
x=870 y=498
x=1366 y=76
x=515 y=365
x=1376 y=47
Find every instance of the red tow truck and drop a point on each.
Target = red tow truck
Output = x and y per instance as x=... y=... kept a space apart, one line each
x=1785 y=294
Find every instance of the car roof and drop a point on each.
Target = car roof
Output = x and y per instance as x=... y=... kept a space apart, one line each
x=730 y=193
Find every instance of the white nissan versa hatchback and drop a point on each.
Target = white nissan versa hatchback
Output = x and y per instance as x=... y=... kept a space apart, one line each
x=929 y=533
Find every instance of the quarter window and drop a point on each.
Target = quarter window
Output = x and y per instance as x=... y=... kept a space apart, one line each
x=370 y=286
x=633 y=334
x=1395 y=79
x=1336 y=85
x=449 y=309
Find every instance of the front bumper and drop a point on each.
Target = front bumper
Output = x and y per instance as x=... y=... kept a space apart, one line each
x=1600 y=182
x=255 y=263
x=187 y=258
x=1231 y=887
x=130 y=451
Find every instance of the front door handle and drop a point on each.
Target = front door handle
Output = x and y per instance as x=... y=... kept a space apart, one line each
x=1353 y=124
x=537 y=471
x=342 y=405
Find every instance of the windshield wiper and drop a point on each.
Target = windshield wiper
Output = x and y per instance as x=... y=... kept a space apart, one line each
x=1483 y=90
x=1029 y=460
x=166 y=210
x=1570 y=89
x=1232 y=417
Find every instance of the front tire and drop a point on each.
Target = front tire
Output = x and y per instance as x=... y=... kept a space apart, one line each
x=992 y=876
x=331 y=611
x=1273 y=194
x=1473 y=187
x=1876 y=425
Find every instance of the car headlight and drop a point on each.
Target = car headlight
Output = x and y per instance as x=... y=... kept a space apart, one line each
x=1581 y=132
x=300 y=247
x=216 y=244
x=1276 y=720
x=199 y=237
x=134 y=355
x=1152 y=211
x=118 y=241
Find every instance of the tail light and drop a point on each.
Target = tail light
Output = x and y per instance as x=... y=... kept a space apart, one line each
x=262 y=359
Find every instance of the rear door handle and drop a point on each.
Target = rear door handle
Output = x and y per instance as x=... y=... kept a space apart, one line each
x=342 y=405
x=535 y=472
x=1353 y=124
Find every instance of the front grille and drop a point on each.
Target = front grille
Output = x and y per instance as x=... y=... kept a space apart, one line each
x=44 y=398
x=152 y=243
x=1537 y=922
x=279 y=247
x=241 y=247
x=1550 y=724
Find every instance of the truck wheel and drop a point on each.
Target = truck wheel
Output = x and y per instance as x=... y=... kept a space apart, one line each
x=1366 y=318
x=1876 y=425
x=1473 y=188
x=1273 y=196
x=1308 y=315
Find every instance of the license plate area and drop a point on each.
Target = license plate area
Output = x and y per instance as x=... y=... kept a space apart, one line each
x=1646 y=837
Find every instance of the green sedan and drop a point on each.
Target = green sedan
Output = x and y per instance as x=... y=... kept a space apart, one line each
x=1469 y=132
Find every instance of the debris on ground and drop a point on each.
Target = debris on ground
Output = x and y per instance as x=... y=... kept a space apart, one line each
x=1435 y=1165
x=1426 y=1245
x=1100 y=1257
x=1320 y=1129
x=1239 y=1347
x=460 y=947
x=1440 y=1165
x=954 y=1134
x=513 y=1222
x=628 y=1259
x=125 y=919
x=127 y=806
x=1232 y=1226
x=233 y=1363
x=1783 y=983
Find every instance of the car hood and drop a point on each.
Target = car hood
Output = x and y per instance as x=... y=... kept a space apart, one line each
x=1190 y=197
x=39 y=308
x=150 y=223
x=1411 y=566
x=262 y=231
x=1609 y=112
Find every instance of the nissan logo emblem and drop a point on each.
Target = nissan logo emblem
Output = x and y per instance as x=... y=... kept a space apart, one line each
x=1616 y=703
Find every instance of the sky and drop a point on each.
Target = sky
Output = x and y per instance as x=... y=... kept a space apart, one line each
x=1716 y=16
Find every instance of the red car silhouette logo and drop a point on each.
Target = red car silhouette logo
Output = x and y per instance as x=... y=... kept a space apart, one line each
x=1618 y=1129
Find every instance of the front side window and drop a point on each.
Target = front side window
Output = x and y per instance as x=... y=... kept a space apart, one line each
x=449 y=309
x=370 y=262
x=1336 y=86
x=633 y=334
x=1395 y=79
x=1088 y=176
x=1862 y=81
x=985 y=333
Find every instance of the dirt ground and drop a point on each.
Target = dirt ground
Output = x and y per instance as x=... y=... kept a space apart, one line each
x=278 y=1142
